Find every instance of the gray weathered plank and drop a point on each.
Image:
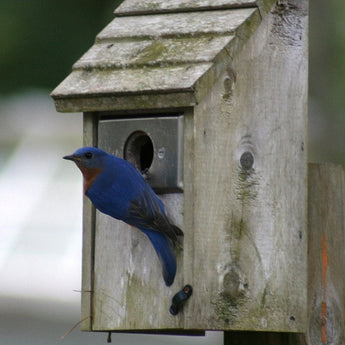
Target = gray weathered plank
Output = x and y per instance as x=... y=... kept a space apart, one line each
x=326 y=270
x=89 y=139
x=131 y=7
x=249 y=226
x=125 y=54
x=121 y=81
x=135 y=7
x=176 y=24
x=126 y=102
x=129 y=289
x=128 y=279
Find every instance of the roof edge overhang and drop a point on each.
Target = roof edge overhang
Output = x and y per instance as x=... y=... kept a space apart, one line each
x=115 y=102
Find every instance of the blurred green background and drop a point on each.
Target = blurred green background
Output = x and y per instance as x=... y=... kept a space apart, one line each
x=327 y=81
x=40 y=247
x=41 y=39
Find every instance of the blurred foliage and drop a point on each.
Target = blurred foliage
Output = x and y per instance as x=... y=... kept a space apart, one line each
x=327 y=52
x=41 y=39
x=327 y=81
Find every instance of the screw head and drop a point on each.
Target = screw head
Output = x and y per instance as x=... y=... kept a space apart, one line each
x=161 y=152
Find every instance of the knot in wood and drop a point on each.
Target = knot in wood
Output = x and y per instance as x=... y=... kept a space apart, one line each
x=247 y=160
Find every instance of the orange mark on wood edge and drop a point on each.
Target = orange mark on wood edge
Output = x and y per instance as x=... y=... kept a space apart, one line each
x=324 y=257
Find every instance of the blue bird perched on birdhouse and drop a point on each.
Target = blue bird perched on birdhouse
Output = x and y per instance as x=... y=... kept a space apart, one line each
x=117 y=189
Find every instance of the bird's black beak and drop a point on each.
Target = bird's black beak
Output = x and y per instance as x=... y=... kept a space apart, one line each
x=70 y=158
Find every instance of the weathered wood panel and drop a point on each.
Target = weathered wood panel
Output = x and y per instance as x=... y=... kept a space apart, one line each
x=172 y=24
x=121 y=81
x=89 y=139
x=125 y=102
x=248 y=205
x=129 y=291
x=326 y=285
x=133 y=7
x=126 y=54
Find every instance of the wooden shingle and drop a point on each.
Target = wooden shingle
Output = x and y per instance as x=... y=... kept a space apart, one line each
x=161 y=54
x=132 y=7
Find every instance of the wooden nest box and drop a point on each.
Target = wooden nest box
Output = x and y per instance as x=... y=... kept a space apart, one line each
x=209 y=98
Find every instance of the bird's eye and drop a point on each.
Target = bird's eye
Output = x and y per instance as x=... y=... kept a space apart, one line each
x=88 y=155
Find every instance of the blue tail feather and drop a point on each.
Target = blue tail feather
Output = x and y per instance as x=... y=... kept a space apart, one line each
x=165 y=254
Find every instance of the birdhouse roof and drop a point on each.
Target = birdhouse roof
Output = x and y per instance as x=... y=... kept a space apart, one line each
x=159 y=53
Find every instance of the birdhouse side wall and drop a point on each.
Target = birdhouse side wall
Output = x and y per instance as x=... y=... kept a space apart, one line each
x=248 y=206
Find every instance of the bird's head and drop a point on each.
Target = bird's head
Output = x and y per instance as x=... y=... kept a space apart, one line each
x=88 y=158
x=91 y=162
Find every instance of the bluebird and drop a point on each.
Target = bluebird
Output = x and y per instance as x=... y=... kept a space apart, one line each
x=116 y=188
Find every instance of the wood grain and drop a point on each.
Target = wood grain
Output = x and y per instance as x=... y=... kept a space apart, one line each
x=326 y=285
x=133 y=7
x=249 y=225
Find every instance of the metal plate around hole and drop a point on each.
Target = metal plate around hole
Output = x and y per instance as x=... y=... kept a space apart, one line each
x=166 y=132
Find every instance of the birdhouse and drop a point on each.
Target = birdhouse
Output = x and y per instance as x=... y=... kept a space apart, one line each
x=208 y=99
